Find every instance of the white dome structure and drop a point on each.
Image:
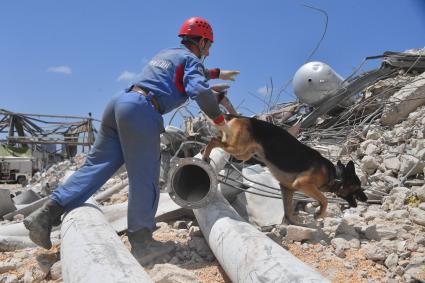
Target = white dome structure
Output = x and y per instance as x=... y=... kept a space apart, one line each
x=314 y=82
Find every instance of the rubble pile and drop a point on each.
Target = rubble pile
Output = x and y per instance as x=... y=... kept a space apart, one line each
x=192 y=260
x=379 y=241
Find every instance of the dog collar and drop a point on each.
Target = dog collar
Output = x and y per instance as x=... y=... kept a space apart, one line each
x=336 y=185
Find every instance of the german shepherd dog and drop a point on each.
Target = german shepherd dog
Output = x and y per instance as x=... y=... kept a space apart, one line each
x=296 y=166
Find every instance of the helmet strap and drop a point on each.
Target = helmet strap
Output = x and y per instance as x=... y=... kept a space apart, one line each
x=202 y=50
x=197 y=44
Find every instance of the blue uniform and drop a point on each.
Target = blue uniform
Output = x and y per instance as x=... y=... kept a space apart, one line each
x=130 y=133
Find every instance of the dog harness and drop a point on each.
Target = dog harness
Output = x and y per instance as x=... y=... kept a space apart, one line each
x=335 y=181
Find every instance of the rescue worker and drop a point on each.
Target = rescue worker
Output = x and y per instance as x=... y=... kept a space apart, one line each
x=130 y=133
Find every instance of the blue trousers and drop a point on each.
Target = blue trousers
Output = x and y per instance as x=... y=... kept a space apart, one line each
x=129 y=133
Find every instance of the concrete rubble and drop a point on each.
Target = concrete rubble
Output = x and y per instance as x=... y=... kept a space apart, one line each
x=381 y=241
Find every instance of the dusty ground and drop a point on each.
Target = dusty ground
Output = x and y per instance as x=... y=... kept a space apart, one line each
x=210 y=272
x=354 y=268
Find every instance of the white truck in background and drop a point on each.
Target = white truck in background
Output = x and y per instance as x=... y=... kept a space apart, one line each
x=15 y=169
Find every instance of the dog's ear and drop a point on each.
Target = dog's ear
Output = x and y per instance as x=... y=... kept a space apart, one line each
x=350 y=168
x=340 y=165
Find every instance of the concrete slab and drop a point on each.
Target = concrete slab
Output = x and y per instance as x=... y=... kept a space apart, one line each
x=27 y=209
x=259 y=210
x=405 y=101
x=167 y=210
x=6 y=203
x=26 y=197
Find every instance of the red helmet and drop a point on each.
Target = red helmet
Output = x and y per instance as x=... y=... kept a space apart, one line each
x=197 y=26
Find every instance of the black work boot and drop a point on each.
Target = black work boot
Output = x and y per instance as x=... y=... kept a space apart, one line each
x=40 y=223
x=145 y=249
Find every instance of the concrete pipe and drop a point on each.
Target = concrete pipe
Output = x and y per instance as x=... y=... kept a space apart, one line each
x=192 y=182
x=112 y=190
x=246 y=254
x=91 y=251
x=13 y=243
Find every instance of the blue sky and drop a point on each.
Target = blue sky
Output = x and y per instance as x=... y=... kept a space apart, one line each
x=70 y=57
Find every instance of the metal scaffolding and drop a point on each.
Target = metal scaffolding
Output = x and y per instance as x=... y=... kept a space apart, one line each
x=38 y=129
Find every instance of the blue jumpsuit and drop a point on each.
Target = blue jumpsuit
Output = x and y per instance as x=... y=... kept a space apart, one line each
x=130 y=133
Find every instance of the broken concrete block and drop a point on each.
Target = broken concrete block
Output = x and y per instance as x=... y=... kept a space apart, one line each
x=417 y=216
x=344 y=228
x=363 y=146
x=419 y=192
x=6 y=203
x=329 y=151
x=179 y=224
x=375 y=252
x=254 y=204
x=298 y=233
x=408 y=163
x=369 y=164
x=11 y=278
x=404 y=101
x=8 y=266
x=374 y=133
x=380 y=231
x=26 y=197
x=372 y=149
x=27 y=209
x=195 y=231
x=391 y=261
x=420 y=153
x=392 y=163
x=344 y=242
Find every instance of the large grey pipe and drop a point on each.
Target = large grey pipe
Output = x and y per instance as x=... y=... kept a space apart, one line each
x=192 y=183
x=91 y=251
x=246 y=254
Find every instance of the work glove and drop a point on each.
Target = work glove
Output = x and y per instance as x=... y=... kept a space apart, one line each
x=224 y=128
x=228 y=75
